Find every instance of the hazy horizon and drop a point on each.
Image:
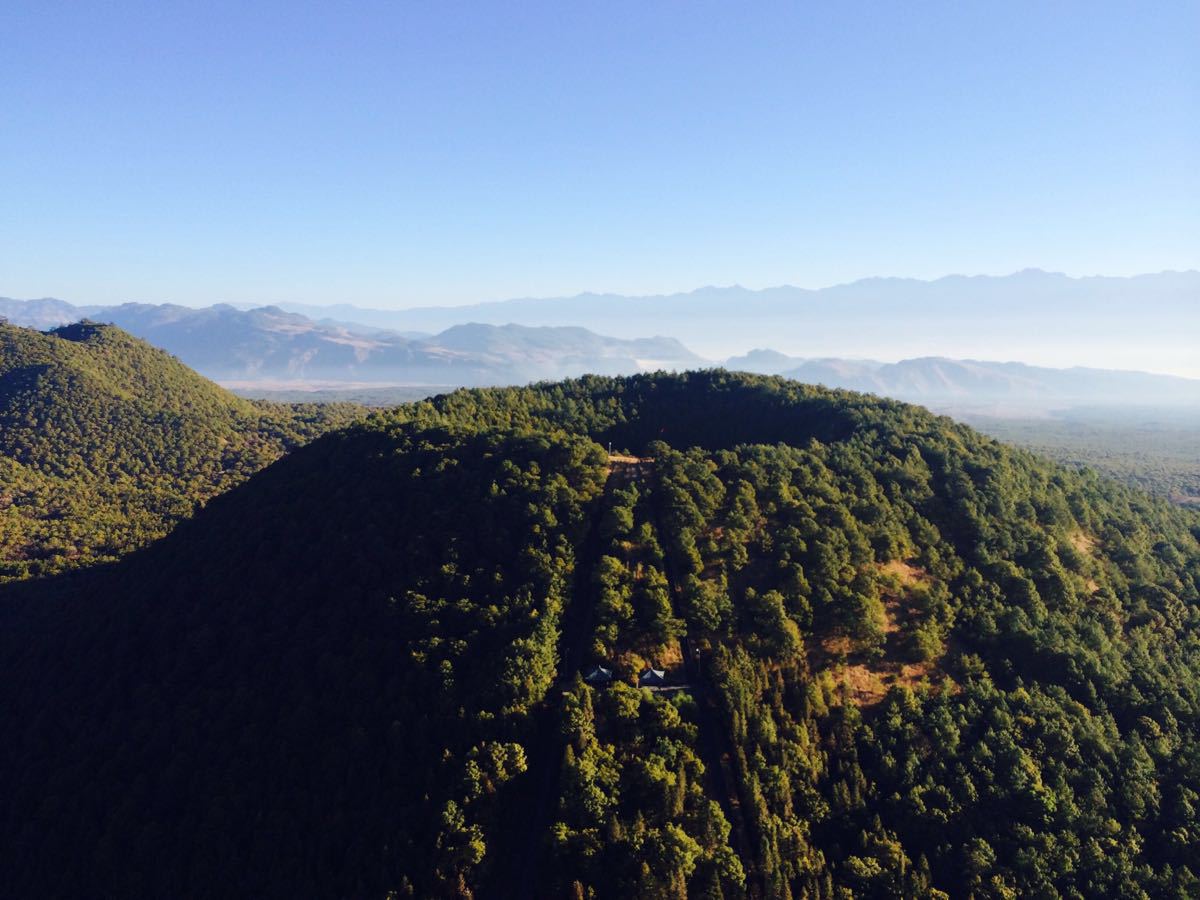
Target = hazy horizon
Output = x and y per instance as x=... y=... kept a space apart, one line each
x=434 y=164
x=201 y=302
x=1032 y=316
x=396 y=155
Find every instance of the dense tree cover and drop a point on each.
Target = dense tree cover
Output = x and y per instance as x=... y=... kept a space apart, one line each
x=635 y=814
x=634 y=818
x=1156 y=449
x=689 y=409
x=946 y=666
x=915 y=662
x=318 y=687
x=106 y=443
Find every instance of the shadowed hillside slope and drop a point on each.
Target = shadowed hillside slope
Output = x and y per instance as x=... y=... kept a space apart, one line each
x=107 y=442
x=898 y=660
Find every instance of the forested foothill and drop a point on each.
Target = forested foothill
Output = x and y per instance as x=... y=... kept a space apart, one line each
x=106 y=443
x=900 y=659
x=1154 y=448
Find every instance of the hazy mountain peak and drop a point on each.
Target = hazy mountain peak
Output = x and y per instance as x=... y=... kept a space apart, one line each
x=955 y=317
x=273 y=343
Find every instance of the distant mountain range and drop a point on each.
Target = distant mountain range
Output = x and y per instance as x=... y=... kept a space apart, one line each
x=519 y=341
x=1147 y=321
x=954 y=382
x=1143 y=322
x=230 y=344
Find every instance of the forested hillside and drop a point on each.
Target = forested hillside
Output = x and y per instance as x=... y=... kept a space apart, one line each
x=420 y=657
x=106 y=442
x=1157 y=450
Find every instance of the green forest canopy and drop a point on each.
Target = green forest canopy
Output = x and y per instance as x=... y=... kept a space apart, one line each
x=1157 y=450
x=905 y=661
x=106 y=443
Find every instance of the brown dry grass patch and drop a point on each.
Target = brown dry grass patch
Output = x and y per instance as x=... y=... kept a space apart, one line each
x=867 y=685
x=866 y=680
x=1083 y=542
x=669 y=656
x=906 y=573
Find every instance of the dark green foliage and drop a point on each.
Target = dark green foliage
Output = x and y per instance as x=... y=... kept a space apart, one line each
x=987 y=644
x=340 y=659
x=1156 y=449
x=709 y=408
x=636 y=816
x=634 y=819
x=106 y=443
x=920 y=663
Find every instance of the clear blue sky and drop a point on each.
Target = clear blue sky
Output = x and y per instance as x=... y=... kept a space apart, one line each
x=401 y=153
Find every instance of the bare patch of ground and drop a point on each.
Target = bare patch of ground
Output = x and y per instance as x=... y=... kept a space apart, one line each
x=629 y=468
x=867 y=677
x=908 y=574
x=1083 y=542
x=617 y=458
x=867 y=685
x=1085 y=545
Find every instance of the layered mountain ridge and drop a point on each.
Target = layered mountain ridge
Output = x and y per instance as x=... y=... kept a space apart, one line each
x=515 y=342
x=1097 y=320
x=267 y=343
x=947 y=381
